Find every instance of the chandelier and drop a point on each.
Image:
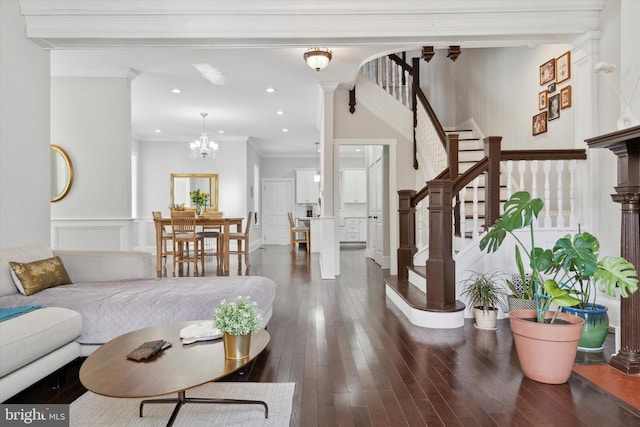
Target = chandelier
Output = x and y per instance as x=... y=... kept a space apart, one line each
x=203 y=148
x=317 y=57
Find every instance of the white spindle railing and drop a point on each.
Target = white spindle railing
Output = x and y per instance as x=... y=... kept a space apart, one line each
x=391 y=77
x=557 y=179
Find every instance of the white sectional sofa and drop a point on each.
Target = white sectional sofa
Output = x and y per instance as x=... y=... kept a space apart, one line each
x=112 y=293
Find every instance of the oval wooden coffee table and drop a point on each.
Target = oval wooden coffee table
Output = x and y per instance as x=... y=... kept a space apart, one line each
x=108 y=372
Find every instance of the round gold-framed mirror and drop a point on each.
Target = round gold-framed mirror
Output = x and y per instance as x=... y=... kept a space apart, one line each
x=61 y=173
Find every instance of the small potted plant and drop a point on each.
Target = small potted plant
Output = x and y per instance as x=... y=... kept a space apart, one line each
x=541 y=335
x=485 y=297
x=236 y=320
x=199 y=200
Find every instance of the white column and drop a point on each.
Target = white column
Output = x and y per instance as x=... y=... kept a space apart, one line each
x=330 y=248
x=25 y=155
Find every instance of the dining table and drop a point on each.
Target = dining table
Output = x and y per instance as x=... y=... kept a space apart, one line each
x=224 y=222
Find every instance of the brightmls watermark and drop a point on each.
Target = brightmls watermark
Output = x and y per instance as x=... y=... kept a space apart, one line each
x=34 y=415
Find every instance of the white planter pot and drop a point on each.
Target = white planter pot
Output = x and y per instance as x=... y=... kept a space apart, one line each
x=486 y=319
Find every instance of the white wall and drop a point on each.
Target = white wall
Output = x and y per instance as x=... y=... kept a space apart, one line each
x=158 y=160
x=24 y=134
x=498 y=88
x=363 y=124
x=91 y=120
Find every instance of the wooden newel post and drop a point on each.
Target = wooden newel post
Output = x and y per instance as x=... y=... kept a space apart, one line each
x=406 y=231
x=625 y=144
x=441 y=287
x=492 y=198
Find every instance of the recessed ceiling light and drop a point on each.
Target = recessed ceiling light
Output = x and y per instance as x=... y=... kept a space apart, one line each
x=280 y=113
x=285 y=130
x=271 y=89
x=357 y=150
x=158 y=131
x=176 y=90
x=220 y=131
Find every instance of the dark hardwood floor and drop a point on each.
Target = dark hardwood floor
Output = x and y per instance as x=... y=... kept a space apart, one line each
x=356 y=361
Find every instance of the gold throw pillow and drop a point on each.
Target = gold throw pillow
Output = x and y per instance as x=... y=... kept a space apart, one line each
x=32 y=277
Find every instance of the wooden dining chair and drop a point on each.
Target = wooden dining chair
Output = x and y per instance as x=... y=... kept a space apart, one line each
x=294 y=231
x=211 y=233
x=166 y=237
x=242 y=241
x=183 y=227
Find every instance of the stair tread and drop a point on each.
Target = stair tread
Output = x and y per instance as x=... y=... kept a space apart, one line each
x=415 y=298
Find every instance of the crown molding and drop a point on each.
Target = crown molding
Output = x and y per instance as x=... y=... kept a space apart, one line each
x=100 y=23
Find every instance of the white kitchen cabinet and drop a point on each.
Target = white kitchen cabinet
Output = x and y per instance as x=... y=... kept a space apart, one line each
x=307 y=190
x=354 y=186
x=354 y=230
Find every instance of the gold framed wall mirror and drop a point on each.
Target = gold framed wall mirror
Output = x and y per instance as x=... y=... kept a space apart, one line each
x=183 y=183
x=61 y=173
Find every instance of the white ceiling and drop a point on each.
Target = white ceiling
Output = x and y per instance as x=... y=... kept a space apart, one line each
x=260 y=43
x=241 y=107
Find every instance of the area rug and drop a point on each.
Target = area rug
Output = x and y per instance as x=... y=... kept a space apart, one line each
x=95 y=410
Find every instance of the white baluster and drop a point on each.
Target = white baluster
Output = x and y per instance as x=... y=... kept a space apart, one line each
x=509 y=173
x=534 y=179
x=463 y=217
x=394 y=80
x=387 y=74
x=475 y=232
x=547 y=193
x=406 y=89
x=380 y=68
x=573 y=221
x=560 y=195
x=522 y=167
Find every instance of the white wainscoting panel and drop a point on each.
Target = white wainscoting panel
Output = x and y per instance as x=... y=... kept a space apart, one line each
x=92 y=234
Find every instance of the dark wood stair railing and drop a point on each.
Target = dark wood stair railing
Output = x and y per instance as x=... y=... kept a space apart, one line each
x=440 y=265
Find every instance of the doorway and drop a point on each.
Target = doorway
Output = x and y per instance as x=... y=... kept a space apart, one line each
x=277 y=202
x=380 y=213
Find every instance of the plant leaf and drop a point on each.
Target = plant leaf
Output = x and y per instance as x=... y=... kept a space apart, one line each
x=616 y=272
x=520 y=210
x=494 y=237
x=559 y=296
x=578 y=255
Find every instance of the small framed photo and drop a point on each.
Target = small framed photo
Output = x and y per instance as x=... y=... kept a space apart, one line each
x=551 y=88
x=542 y=100
x=539 y=123
x=554 y=107
x=548 y=71
x=563 y=67
x=565 y=97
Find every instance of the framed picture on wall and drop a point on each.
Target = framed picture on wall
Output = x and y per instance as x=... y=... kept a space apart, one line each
x=563 y=67
x=539 y=123
x=554 y=107
x=551 y=88
x=542 y=100
x=565 y=97
x=548 y=71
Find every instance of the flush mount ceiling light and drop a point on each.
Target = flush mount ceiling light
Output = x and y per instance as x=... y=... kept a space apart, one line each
x=203 y=148
x=317 y=57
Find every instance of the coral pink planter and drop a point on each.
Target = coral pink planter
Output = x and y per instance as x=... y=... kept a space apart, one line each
x=546 y=351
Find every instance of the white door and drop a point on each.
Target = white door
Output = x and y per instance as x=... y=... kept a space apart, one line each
x=375 y=214
x=277 y=199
